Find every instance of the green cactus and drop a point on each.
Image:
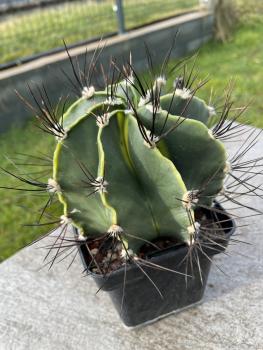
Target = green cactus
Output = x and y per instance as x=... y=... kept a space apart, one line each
x=137 y=163
x=134 y=161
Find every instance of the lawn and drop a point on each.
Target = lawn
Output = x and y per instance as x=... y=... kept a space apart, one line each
x=40 y=30
x=241 y=58
x=19 y=208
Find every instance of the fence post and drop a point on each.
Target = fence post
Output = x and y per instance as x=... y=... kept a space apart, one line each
x=120 y=16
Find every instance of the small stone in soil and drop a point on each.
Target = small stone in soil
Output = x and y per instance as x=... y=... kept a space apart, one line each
x=111 y=259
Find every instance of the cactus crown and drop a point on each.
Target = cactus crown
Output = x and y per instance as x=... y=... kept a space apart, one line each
x=135 y=160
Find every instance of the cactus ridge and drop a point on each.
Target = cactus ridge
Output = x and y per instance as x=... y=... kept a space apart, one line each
x=142 y=202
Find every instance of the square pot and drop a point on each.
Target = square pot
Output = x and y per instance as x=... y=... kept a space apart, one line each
x=146 y=296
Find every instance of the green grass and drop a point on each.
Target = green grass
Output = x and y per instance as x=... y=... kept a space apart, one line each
x=241 y=58
x=40 y=30
x=18 y=208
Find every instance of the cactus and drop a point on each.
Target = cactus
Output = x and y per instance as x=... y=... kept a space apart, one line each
x=135 y=161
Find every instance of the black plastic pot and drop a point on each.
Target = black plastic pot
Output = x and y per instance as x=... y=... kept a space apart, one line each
x=139 y=302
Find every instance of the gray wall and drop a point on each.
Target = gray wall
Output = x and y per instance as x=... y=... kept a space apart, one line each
x=195 y=29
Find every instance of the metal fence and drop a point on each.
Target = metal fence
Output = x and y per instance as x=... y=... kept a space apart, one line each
x=32 y=27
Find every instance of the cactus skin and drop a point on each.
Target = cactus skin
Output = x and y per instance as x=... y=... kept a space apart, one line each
x=145 y=184
x=196 y=109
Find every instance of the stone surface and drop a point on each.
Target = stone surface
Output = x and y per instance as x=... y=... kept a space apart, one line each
x=59 y=309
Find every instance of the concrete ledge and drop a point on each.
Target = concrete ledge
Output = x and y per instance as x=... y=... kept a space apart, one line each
x=195 y=29
x=60 y=309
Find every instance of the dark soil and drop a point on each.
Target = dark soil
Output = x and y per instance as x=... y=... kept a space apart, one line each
x=107 y=255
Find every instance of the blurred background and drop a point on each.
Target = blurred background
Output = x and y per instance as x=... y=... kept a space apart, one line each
x=31 y=29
